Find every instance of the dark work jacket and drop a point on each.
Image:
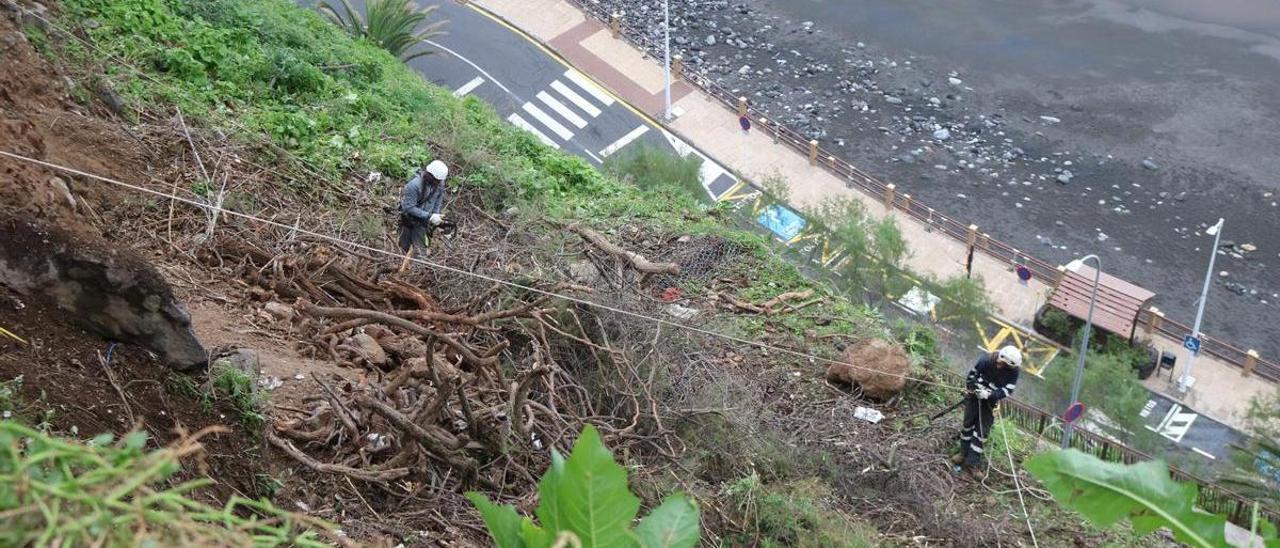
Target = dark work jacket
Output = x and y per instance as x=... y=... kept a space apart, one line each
x=421 y=198
x=986 y=374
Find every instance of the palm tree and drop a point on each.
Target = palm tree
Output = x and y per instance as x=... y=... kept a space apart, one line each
x=391 y=24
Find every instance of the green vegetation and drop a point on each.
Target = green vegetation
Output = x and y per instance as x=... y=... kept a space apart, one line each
x=237 y=388
x=797 y=513
x=55 y=492
x=1006 y=438
x=391 y=24
x=1111 y=388
x=10 y=397
x=649 y=167
x=1257 y=465
x=585 y=501
x=1144 y=494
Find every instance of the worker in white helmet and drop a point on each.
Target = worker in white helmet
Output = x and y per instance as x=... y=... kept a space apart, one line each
x=992 y=379
x=420 y=205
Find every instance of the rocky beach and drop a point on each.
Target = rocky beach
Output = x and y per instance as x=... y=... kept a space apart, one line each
x=1121 y=128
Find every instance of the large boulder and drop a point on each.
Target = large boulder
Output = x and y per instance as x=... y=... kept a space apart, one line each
x=876 y=366
x=110 y=292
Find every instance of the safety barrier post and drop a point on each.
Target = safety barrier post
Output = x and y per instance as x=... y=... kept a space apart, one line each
x=831 y=160
x=888 y=195
x=764 y=124
x=906 y=203
x=813 y=153
x=1250 y=362
x=986 y=241
x=615 y=24
x=677 y=67
x=742 y=106
x=1157 y=319
x=973 y=236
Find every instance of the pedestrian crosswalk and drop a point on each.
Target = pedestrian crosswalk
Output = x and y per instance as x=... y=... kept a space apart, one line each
x=568 y=104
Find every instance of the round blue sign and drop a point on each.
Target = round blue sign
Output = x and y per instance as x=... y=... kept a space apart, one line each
x=745 y=123
x=1024 y=273
x=1073 y=412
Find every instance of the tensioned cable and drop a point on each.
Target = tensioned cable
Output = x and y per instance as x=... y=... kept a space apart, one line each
x=1017 y=482
x=297 y=229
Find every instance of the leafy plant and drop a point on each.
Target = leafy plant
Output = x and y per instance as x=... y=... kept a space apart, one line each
x=237 y=388
x=55 y=492
x=391 y=24
x=1143 y=493
x=794 y=514
x=585 y=501
x=652 y=168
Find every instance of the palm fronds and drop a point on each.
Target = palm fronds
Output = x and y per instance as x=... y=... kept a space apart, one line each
x=391 y=24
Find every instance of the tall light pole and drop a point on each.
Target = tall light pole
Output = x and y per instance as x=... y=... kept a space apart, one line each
x=1084 y=344
x=1185 y=381
x=666 y=57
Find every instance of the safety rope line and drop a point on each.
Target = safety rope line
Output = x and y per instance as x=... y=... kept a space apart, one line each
x=336 y=240
x=1017 y=481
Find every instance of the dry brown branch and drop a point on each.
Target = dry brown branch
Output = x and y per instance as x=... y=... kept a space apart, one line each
x=387 y=319
x=636 y=260
x=326 y=468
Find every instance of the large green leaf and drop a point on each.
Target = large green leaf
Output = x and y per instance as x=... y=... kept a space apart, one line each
x=673 y=524
x=1106 y=492
x=504 y=523
x=588 y=495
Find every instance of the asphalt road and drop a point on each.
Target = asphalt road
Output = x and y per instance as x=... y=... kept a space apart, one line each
x=533 y=89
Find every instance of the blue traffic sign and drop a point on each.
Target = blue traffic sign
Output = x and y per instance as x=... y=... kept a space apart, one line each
x=745 y=123
x=1190 y=342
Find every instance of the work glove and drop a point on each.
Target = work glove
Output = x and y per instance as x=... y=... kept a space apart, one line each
x=982 y=393
x=436 y=219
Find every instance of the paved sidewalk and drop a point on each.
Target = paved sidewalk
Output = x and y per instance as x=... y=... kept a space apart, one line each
x=1221 y=392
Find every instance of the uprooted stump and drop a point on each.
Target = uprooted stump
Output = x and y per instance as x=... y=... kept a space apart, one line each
x=879 y=368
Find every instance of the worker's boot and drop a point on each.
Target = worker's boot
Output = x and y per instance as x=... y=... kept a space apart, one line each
x=958 y=458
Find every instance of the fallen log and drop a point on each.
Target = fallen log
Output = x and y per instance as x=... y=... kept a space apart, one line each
x=636 y=260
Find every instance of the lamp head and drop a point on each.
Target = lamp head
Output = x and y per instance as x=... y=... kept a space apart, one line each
x=1213 y=230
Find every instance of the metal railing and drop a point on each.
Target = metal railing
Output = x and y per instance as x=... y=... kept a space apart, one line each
x=933 y=219
x=1211 y=496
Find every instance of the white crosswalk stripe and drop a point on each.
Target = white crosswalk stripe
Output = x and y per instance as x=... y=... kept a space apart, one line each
x=576 y=99
x=546 y=120
x=589 y=87
x=468 y=87
x=624 y=141
x=521 y=123
x=562 y=110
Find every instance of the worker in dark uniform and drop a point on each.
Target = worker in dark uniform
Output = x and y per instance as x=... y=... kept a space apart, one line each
x=420 y=205
x=992 y=379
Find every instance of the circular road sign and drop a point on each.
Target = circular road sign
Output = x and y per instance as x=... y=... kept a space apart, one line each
x=1024 y=273
x=745 y=123
x=1073 y=412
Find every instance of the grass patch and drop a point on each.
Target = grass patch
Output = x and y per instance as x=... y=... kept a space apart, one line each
x=797 y=513
x=237 y=388
x=114 y=493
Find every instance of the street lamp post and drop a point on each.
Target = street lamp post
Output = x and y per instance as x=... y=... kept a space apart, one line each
x=1084 y=344
x=666 y=57
x=1185 y=381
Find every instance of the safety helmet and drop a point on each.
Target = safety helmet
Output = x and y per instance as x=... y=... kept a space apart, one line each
x=438 y=170
x=1011 y=356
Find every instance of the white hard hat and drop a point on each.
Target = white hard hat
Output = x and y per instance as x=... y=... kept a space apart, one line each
x=1012 y=356
x=438 y=170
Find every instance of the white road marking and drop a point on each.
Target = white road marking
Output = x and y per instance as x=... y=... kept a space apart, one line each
x=593 y=156
x=624 y=141
x=1175 y=424
x=562 y=110
x=589 y=87
x=708 y=172
x=495 y=81
x=1203 y=452
x=576 y=99
x=548 y=121
x=519 y=122
x=468 y=87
